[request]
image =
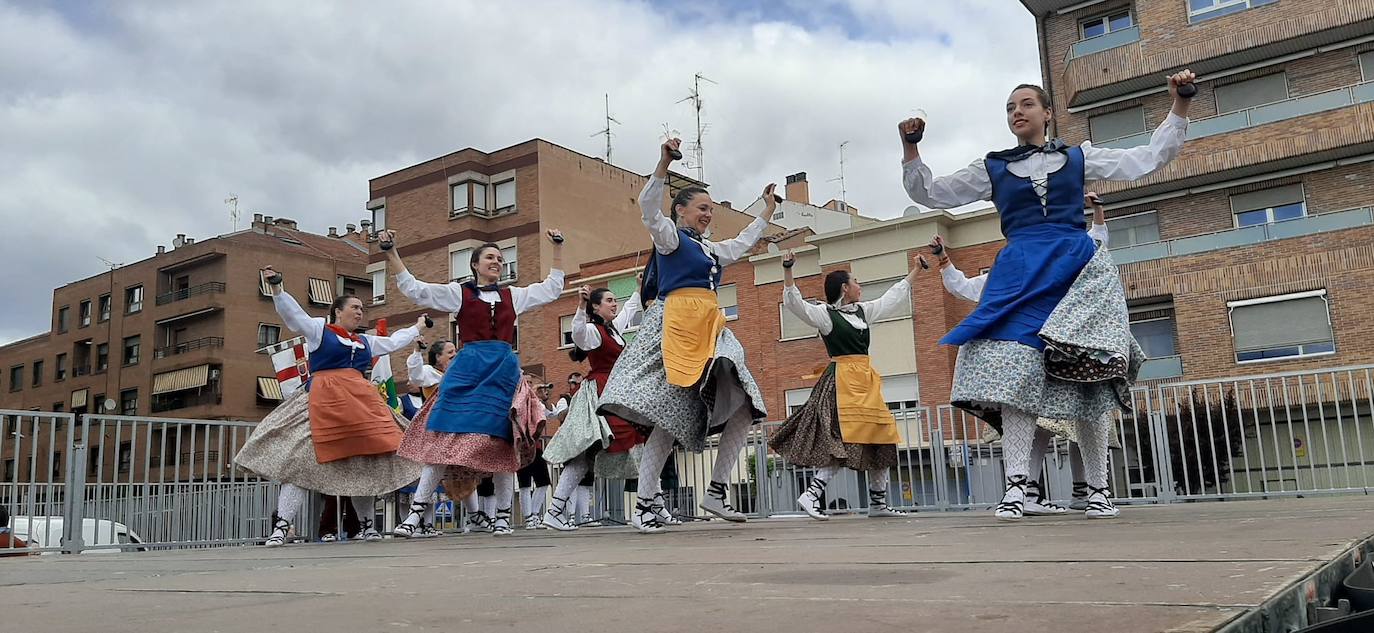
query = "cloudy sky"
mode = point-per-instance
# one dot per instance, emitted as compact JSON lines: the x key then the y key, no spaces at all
{"x":124,"y":123}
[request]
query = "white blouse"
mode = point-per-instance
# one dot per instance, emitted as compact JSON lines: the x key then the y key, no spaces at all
{"x":421,"y":374}
{"x":665,"y":235}
{"x":449,"y":296}
{"x":818,"y":315}
{"x":312,"y":328}
{"x":587,"y":337}
{"x":972,"y":184}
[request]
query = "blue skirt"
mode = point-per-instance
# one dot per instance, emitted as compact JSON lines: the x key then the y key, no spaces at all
{"x":477,"y":391}
{"x":1029,"y":278}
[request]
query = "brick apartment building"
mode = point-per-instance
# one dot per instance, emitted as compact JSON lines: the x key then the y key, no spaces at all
{"x":177,"y":334}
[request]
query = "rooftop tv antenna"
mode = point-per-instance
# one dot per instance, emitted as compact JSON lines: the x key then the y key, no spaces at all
{"x":607,"y":130}
{"x":698,"y":160}
{"x":844,"y":199}
{"x":233,"y":202}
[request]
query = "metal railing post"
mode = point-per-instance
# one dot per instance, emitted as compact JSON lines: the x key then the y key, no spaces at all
{"x":74,"y":496}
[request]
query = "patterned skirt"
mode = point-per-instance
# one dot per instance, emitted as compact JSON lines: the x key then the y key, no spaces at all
{"x":472,"y":455}
{"x":811,"y":435}
{"x":639,"y":392}
{"x":282,"y":449}
{"x":991,"y":374}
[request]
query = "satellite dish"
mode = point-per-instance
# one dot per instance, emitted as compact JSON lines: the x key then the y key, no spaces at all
{"x":772,"y":248}
{"x":109,"y":404}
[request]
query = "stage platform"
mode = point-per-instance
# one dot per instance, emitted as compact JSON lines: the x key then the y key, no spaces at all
{"x":1186,"y":567}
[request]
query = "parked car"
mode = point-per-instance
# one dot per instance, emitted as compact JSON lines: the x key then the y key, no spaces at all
{"x":46,"y":531}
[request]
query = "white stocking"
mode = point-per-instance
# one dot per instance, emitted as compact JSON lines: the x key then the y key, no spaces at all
{"x":424,"y":491}
{"x":573,"y":472}
{"x":651,"y":461}
{"x":826,"y":473}
{"x":878,"y":479}
{"x":584,"y":501}
{"x":731,"y":441}
{"x":470,"y":503}
{"x":289,"y":501}
{"x":1018,"y":433}
{"x":505,"y":490}
{"x":1092,"y":434}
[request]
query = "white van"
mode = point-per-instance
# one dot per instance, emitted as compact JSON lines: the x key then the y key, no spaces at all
{"x":47,"y":532}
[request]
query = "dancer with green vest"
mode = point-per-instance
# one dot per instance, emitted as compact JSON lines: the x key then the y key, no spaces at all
{"x":845,"y":423}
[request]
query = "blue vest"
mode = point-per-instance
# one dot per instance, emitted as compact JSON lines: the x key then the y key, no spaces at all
{"x":690,"y":266}
{"x":335,"y":354}
{"x":1019,"y":205}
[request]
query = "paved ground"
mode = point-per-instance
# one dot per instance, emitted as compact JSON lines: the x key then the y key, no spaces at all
{"x":1186,"y":567}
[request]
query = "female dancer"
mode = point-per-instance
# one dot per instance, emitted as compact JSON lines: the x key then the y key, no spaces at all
{"x":336,"y":436}
{"x":584,"y":434}
{"x":468,"y":424}
{"x":845,"y":422}
{"x":427,"y":376}
{"x":684,"y":373}
{"x":1004,"y":370}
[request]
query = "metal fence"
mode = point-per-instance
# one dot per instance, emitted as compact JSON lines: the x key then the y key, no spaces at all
{"x":107,"y":483}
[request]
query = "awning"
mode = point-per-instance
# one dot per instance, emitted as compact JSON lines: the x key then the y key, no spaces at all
{"x":79,"y":398}
{"x":321,"y":292}
{"x":181,"y":379}
{"x":269,"y":388}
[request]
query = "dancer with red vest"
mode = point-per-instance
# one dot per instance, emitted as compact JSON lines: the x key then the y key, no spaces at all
{"x":467,"y":426}
{"x":337,"y":436}
{"x":585,"y":438}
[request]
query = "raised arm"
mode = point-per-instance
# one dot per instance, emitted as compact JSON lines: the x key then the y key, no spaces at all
{"x":887,"y":304}
{"x":732,"y":250}
{"x":1105,"y":163}
{"x":968,"y":289}
{"x":399,"y":339}
{"x":585,"y":335}
{"x":447,"y":296}
{"x":816,"y":316}
{"x":969,"y":184}
{"x":629,"y":309}
{"x":661,"y":229}
{"x":295,"y":318}
{"x":547,"y":291}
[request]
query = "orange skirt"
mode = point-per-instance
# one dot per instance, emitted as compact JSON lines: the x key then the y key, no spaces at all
{"x":348,"y":417}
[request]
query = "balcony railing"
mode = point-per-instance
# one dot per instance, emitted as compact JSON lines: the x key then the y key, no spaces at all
{"x":187,"y":293}
{"x":1107,"y":41}
{"x":1245,"y":236}
{"x":1260,"y":115}
{"x":182,"y":348}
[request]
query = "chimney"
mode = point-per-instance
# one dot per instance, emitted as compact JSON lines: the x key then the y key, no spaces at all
{"x":797,"y":189}
{"x":190,"y":241}
{"x":285,"y":223}
{"x":350,"y":227}
{"x":366,"y":226}
{"x":726,"y":204}
{"x":161,"y":249}
{"x":333,"y":231}
{"x":257,"y":218}
{"x":179,"y":241}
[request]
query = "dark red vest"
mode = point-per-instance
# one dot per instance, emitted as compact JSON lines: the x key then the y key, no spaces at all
{"x":603,"y":358}
{"x":482,"y":321}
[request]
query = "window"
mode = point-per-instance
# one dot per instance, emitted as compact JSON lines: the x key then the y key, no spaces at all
{"x":875,"y":289}
{"x":268,"y":335}
{"x":1268,"y":205}
{"x":379,"y":218}
{"x":728,"y":298}
{"x":1199,"y":10}
{"x":565,"y":331}
{"x":37,"y":373}
{"x":460,"y":265}
{"x":796,"y":399}
{"x":60,"y":369}
{"x":321,"y":292}
{"x":126,"y":456}
{"x":509,"y":270}
{"x":1285,"y":326}
{"x":469,"y":197}
{"x":379,"y":286}
{"x":792,"y":327}
{"x":102,"y":357}
{"x":128,"y":402}
{"x":16,"y":378}
{"x":99,"y":403}
{"x":1153,"y":327}
{"x":1367,"y":66}
{"x":1251,"y":93}
{"x":62,"y":314}
{"x":1104,"y":24}
{"x":505,"y":195}
{"x":1130,"y":230}
{"x":1119,"y":124}
{"x":131,"y":350}
{"x":85,"y":313}
{"x":133,"y":299}
{"x":105,"y":305}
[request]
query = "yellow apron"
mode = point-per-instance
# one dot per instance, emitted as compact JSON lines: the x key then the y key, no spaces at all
{"x":864,"y":416}
{"x":692,"y":321}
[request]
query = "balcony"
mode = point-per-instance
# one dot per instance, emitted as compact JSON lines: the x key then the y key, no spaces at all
{"x":1267,"y":113}
{"x":1246,"y":236}
{"x":1108,"y":41}
{"x":189,"y":346}
{"x":1162,"y":367}
{"x":194,"y":291}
